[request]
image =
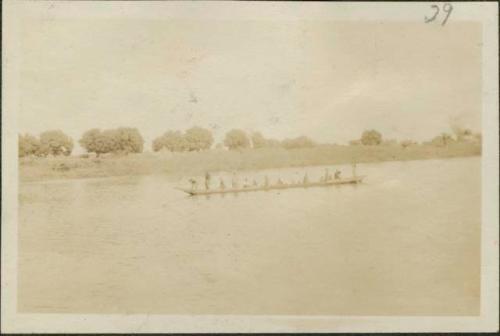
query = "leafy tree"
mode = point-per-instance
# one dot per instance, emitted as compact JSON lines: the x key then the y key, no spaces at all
{"x":91,"y":141}
{"x":125,"y":140}
{"x":28,"y":145}
{"x":442,"y":140}
{"x":461,"y":134}
{"x":198,"y":138}
{"x":174,"y":141}
{"x":236,"y":139}
{"x":299,"y":142}
{"x":157,"y":144}
{"x":258,"y":141}
{"x":128,"y":140}
{"x":371,"y":138}
{"x":464,"y":134}
{"x":55,"y":143}
{"x":99,"y":142}
{"x":108,"y":141}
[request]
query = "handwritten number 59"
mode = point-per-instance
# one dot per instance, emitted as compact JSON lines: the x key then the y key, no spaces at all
{"x":447,"y":8}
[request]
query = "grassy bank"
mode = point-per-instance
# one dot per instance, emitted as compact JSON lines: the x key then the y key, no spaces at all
{"x":194,"y":163}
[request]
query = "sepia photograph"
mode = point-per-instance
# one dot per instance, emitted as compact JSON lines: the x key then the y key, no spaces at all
{"x":249,"y":166}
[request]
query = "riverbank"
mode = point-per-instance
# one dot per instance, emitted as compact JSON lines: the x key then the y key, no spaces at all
{"x":196,"y":163}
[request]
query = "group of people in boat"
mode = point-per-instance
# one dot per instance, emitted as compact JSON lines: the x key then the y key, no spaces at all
{"x":235,"y":184}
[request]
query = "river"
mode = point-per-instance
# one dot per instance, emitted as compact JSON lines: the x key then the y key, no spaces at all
{"x":405,"y":242}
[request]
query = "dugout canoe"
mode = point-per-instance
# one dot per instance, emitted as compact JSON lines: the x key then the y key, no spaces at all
{"x":349,"y":180}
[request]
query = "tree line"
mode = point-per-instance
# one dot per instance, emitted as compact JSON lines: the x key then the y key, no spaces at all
{"x":197,"y":138}
{"x":374,"y":138}
{"x":49,"y":142}
{"x":55,"y":143}
{"x":129,"y":140}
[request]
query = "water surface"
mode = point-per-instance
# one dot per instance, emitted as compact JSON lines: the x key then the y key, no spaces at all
{"x":406,"y":242}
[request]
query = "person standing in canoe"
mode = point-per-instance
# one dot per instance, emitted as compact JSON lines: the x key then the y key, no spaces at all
{"x":207,"y":180}
{"x":327,"y":175}
{"x":354,"y":169}
{"x":222,"y":184}
{"x":306,"y":179}
{"x":194,"y":184}
{"x":337,"y":174}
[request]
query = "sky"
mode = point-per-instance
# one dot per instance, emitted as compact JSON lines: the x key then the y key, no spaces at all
{"x":329,"y":80}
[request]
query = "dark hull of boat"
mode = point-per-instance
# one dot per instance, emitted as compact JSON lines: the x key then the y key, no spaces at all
{"x":351,"y":180}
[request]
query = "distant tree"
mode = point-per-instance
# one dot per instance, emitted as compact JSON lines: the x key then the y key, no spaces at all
{"x":258,"y":141}
{"x":299,"y":142}
{"x":371,"y":138}
{"x":442,"y":140}
{"x":55,"y":143}
{"x":99,"y":142}
{"x":28,"y":145}
{"x":91,"y":141}
{"x":124,"y":140}
{"x":128,"y":140}
{"x":173,"y":141}
{"x":157,"y":144}
{"x":236,"y":139}
{"x":461,"y":134}
{"x":198,"y":138}
{"x":109,"y":141}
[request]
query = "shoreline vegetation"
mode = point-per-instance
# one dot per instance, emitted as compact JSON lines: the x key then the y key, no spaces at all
{"x":192,"y":163}
{"x":120,"y":152}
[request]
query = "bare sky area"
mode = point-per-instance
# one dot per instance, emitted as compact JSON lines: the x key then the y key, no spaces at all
{"x":329,"y":80}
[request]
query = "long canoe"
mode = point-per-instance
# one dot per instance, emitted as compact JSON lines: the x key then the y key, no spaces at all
{"x":349,"y":180}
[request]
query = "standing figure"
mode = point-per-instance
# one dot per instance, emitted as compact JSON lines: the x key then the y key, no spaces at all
{"x":354,"y":169}
{"x":327,"y":175}
{"x":266,"y":181}
{"x":194,"y":184}
{"x":337,"y":174}
{"x":207,"y":181}
{"x":222,"y":185}
{"x":306,"y":179}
